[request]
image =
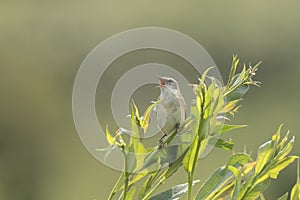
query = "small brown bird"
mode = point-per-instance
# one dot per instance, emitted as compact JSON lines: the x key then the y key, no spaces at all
{"x":171,"y":111}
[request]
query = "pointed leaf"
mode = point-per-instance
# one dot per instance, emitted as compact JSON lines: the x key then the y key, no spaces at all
{"x":257,"y":190}
{"x":190,"y":156}
{"x":205,"y":74}
{"x":287,"y":149}
{"x":109,"y":138}
{"x":295,"y":194}
{"x":239,"y":159}
{"x":238,"y":93}
{"x":284,"y":197}
{"x":130,"y":193}
{"x":265,"y":152}
{"x":280,"y":165}
{"x":226,"y":145}
{"x":228,"y":127}
{"x":146,"y":116}
{"x":276,"y":136}
{"x":238,"y":182}
{"x":217,"y":180}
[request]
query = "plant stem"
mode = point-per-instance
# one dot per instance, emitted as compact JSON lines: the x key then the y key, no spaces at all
{"x":199,"y":137}
{"x":126,"y":180}
{"x":190,"y":185}
{"x":191,"y":173}
{"x":126,"y":177}
{"x":113,"y":192}
{"x":153,"y":189}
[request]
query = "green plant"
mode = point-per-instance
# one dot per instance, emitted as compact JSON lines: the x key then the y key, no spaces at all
{"x":242,"y":177}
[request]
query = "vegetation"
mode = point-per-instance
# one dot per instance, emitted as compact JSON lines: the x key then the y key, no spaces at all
{"x":242,"y":177}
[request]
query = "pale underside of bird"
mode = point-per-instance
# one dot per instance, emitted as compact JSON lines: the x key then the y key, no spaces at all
{"x":171,"y":111}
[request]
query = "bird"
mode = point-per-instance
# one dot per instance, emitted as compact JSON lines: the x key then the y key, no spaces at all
{"x":170,"y":112}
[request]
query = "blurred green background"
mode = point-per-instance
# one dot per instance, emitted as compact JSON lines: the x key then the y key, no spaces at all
{"x":42,"y":44}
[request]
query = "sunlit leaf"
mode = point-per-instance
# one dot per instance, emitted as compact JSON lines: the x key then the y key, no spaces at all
{"x":205,"y":74}
{"x":295,"y":194}
{"x":235,"y":62}
{"x":284,"y":197}
{"x":136,"y":178}
{"x":146,"y":116}
{"x":109,"y":138}
{"x":265,"y":152}
{"x":226,"y":145}
{"x":190,"y":156}
{"x":239,"y":159}
{"x":223,"y":128}
{"x":218,"y":179}
{"x":238,"y":182}
{"x":276,"y":136}
{"x":255,"y":191}
{"x":229,"y":106}
{"x":286,"y":149}
{"x":280,"y":165}
{"x":130,"y":193}
{"x":148,"y":183}
{"x":134,"y":126}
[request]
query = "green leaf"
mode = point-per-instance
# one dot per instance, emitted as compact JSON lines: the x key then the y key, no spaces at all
{"x":109,"y":138}
{"x":205,"y":74}
{"x":235,"y":62}
{"x":173,"y":193}
{"x":276,"y":136}
{"x":238,"y":93}
{"x":140,"y":153}
{"x":265,"y":153}
{"x":238,"y":182}
{"x":273,"y":171}
{"x":280,"y":165}
{"x":284,"y":197}
{"x":284,"y":140}
{"x":147,"y":184}
{"x":146,"y":117}
{"x":217,"y":180}
{"x":130,"y":193}
{"x":139,"y":176}
{"x":175,"y":166}
{"x":134,"y":120}
{"x":286,"y":149}
{"x":239,"y":159}
{"x":226,"y":145}
{"x":229,"y":106}
{"x":190,"y":156}
{"x":227,"y":127}
{"x":262,"y":197}
{"x":247,"y":184}
{"x":258,"y":189}
{"x":295,"y":194}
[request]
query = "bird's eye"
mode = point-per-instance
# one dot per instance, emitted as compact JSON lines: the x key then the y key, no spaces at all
{"x":170,"y":81}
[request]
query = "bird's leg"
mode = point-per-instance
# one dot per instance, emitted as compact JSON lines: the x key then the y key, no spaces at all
{"x":177,"y":126}
{"x":160,"y":141}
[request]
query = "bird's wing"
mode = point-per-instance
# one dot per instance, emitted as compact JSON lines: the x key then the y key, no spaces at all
{"x":161,"y":116}
{"x":182,"y":105}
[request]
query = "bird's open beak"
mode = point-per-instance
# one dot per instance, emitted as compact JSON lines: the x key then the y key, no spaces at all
{"x":162,"y":82}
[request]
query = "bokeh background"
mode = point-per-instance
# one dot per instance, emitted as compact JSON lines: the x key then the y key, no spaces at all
{"x":42,"y":44}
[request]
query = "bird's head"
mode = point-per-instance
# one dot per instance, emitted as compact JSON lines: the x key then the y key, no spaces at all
{"x":167,"y":82}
